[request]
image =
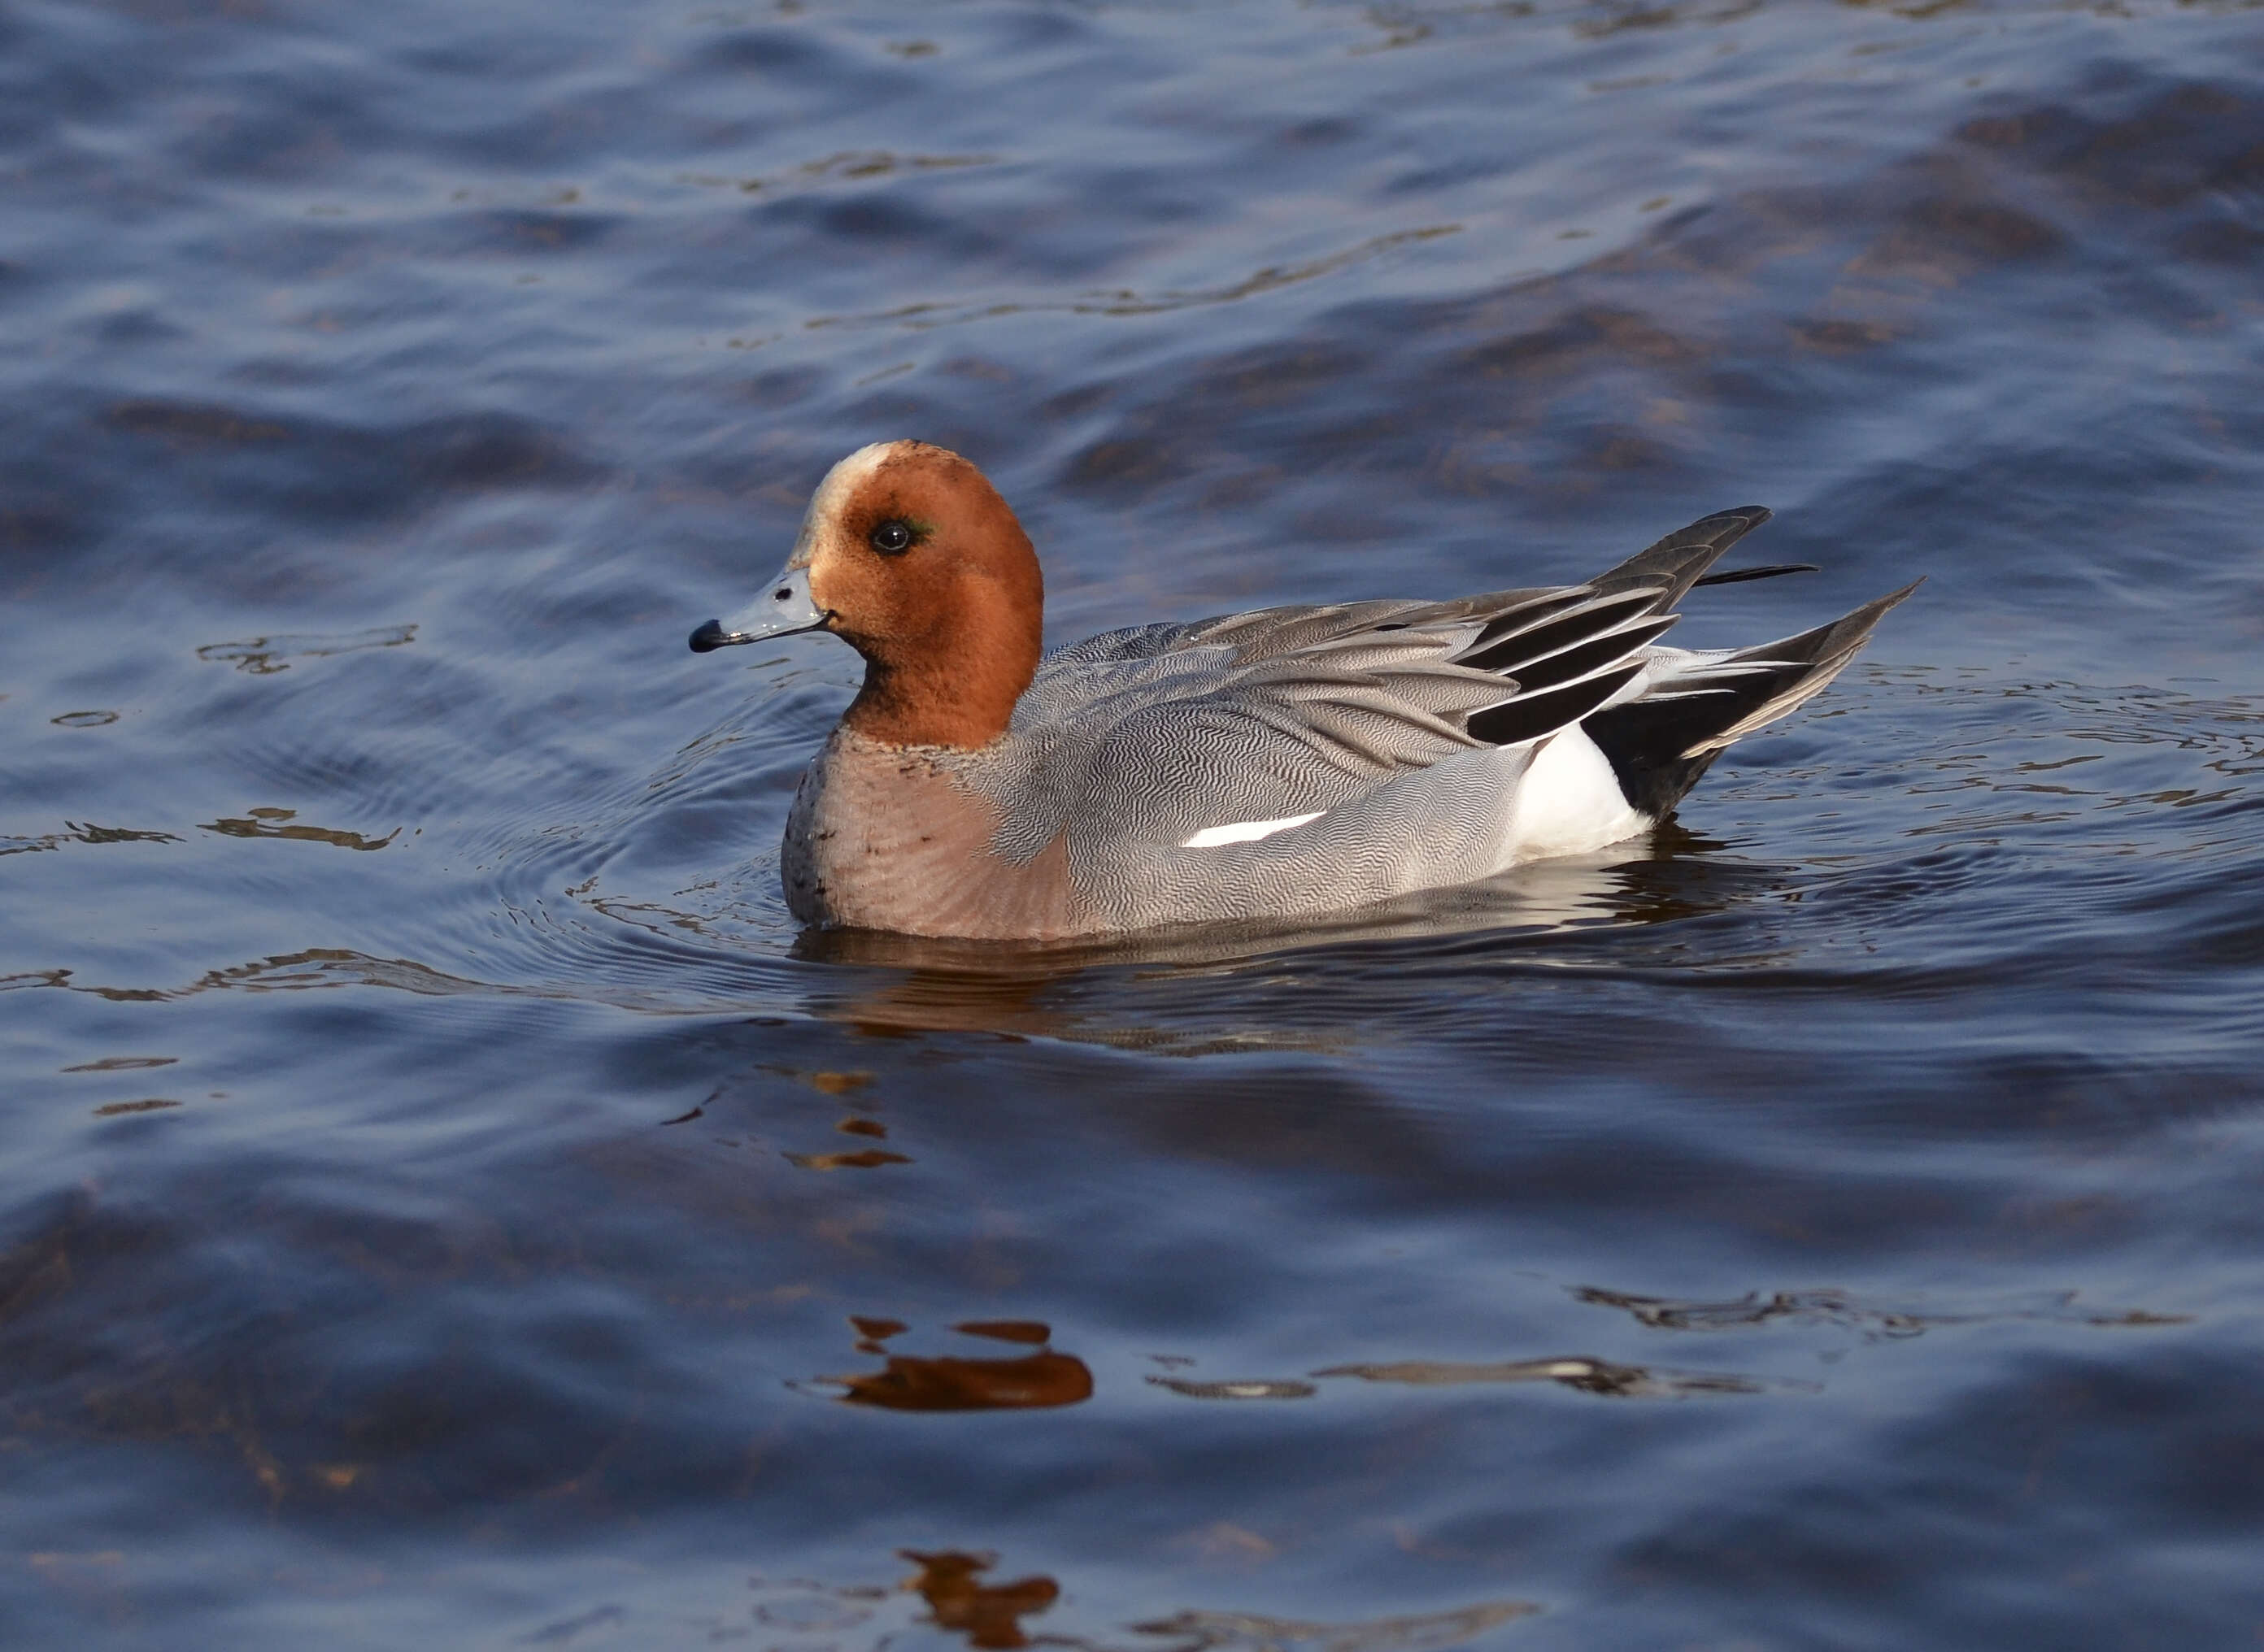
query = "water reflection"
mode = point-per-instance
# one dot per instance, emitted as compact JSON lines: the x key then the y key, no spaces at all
{"x":1034,"y":1332}
{"x":911,"y":1383}
{"x":79,"y":833}
{"x":1423,"y":1632}
{"x":151,"y":1104}
{"x":864,"y":1159}
{"x":1253,"y":1389}
{"x":854,"y":163}
{"x":896,"y":984}
{"x":1622,"y":884}
{"x":263,"y":656}
{"x":1874,"y":1321}
{"x":1586,"y":1376}
{"x":990,"y":1616}
{"x":915,"y":1382}
{"x":315,"y":968}
{"x":277,"y":822}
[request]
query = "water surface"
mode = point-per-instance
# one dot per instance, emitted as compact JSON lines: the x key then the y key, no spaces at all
{"x":447,"y":1202}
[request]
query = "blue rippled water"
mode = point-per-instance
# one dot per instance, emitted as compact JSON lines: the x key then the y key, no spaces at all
{"x":446,"y":1202}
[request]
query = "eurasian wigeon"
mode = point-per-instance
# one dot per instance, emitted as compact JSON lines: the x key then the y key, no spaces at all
{"x":1282,"y":762}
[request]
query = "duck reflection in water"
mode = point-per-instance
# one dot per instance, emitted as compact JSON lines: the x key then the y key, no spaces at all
{"x":913,"y":1382}
{"x":988,"y":1614}
{"x":888,"y":984}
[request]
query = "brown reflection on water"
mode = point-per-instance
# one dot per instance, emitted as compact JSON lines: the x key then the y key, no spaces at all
{"x":1034,"y":1333}
{"x":991,"y":1615}
{"x":988,"y":1614}
{"x":945,"y":987}
{"x":274,"y":822}
{"x":909,"y":1382}
{"x":866,"y":1159}
{"x":154,"y":1104}
{"x":871,"y":1333}
{"x":917,"y":1382}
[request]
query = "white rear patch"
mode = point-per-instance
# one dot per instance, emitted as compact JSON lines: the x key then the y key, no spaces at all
{"x":1246,"y":831}
{"x":1569,"y":802}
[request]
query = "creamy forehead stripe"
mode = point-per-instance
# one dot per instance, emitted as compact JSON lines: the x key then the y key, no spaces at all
{"x":1247,"y":831}
{"x":834,"y":493}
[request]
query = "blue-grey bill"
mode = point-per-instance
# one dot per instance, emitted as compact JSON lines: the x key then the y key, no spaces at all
{"x":786,"y":608}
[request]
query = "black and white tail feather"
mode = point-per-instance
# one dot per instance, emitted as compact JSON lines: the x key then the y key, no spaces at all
{"x":1659,"y":715}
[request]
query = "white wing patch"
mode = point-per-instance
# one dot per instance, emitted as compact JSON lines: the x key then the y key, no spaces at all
{"x":1246,"y":831}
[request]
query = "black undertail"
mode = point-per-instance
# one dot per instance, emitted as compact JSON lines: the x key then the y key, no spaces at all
{"x":1659,"y":745}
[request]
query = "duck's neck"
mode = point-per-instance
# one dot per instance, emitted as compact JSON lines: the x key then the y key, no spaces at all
{"x":963,"y":698}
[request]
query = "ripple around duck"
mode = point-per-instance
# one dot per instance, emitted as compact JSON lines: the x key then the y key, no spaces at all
{"x":1981,"y":889}
{"x":1935,"y":877}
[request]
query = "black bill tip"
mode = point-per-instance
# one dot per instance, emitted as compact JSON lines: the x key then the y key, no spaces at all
{"x":710,"y":636}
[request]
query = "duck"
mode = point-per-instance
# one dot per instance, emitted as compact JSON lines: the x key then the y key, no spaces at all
{"x":1274,"y":764}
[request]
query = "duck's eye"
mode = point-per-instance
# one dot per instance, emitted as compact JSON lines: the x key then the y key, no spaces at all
{"x":892,"y":538}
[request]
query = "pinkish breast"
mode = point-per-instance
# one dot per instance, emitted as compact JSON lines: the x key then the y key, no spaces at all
{"x":884,"y":837}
